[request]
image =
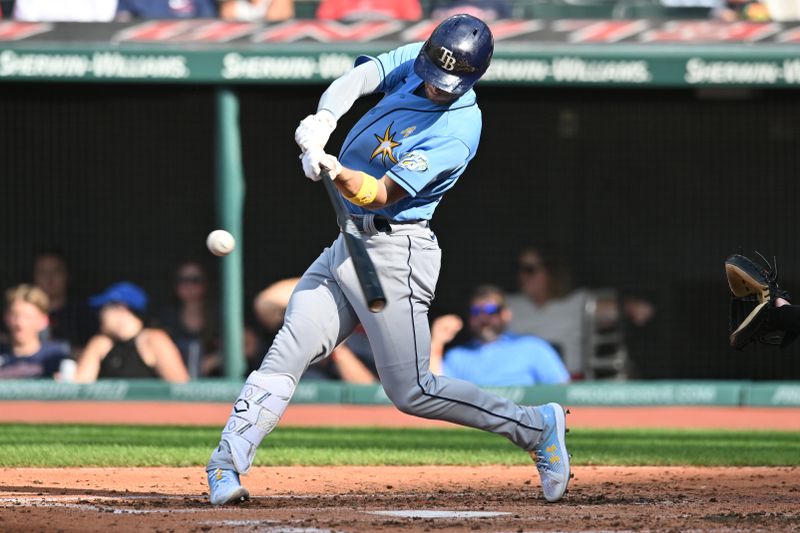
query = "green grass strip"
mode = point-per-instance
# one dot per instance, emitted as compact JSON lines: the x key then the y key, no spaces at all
{"x":85,"y":445}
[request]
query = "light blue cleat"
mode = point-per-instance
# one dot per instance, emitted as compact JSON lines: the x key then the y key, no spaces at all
{"x":550,"y":454}
{"x":224,"y":487}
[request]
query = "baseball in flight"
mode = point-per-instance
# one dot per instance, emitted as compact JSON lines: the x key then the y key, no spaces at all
{"x":220,"y":242}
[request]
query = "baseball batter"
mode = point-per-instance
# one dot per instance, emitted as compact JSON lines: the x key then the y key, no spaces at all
{"x":395,"y":166}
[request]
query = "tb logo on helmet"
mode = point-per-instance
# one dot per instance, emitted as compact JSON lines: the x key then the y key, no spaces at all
{"x":447,"y":59}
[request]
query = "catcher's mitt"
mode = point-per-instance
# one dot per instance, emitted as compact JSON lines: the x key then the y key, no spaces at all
{"x":755,"y":290}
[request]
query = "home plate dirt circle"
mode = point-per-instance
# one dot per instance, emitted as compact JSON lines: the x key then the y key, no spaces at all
{"x":435,"y":498}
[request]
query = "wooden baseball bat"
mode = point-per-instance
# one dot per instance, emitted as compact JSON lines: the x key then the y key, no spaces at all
{"x":365,"y":269}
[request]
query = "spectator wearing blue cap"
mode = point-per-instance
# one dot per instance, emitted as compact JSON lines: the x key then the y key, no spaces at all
{"x":125,"y":348}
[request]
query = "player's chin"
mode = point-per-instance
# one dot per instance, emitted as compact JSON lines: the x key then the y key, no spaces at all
{"x":445,"y":99}
{"x":438,"y":96}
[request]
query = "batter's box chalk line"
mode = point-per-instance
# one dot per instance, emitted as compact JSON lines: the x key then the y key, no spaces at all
{"x":423,"y":513}
{"x":257,"y":523}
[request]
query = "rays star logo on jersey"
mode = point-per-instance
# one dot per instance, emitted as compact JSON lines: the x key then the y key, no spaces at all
{"x":386,"y":145}
{"x":416,"y":161}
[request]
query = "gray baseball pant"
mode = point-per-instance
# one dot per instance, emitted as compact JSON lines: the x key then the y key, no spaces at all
{"x":328,"y":304}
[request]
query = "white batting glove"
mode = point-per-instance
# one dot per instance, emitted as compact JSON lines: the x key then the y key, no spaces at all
{"x":316,"y":158}
{"x":314,"y":130}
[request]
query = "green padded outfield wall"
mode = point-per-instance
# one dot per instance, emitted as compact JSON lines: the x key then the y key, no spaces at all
{"x":633,"y":393}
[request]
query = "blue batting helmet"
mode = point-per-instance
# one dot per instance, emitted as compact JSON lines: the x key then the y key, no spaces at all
{"x":456,"y":55}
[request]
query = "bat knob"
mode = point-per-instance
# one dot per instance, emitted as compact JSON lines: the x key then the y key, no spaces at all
{"x":377,"y":305}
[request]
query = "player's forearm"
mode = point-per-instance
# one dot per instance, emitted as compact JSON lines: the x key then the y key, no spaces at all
{"x":350,"y":182}
{"x":345,"y":90}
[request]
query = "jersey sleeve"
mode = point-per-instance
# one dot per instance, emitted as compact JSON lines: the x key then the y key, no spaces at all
{"x":432,"y":159}
{"x":394,"y":65}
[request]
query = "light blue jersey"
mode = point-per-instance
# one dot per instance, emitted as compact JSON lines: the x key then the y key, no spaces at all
{"x":421,"y":146}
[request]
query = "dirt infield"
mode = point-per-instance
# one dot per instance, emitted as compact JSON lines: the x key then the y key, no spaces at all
{"x":363,"y":499}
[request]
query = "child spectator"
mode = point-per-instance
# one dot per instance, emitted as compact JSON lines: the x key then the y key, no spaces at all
{"x":26,"y":356}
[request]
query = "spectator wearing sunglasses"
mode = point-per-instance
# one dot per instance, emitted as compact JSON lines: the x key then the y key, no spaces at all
{"x":493,"y":357}
{"x":547,"y":305}
{"x":191,"y":321}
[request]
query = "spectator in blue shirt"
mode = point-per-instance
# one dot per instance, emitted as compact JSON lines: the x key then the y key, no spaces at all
{"x":26,"y":355}
{"x":493,"y":357}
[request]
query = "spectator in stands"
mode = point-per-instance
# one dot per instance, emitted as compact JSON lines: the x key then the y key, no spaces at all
{"x":547,"y":305}
{"x":125,"y":348}
{"x":751,"y":10}
{"x":65,"y":10}
{"x":351,"y":361}
{"x":72,"y":322}
{"x":349,"y":10}
{"x":26,"y":355}
{"x":166,"y":9}
{"x":493,"y":357}
{"x":483,"y":9}
{"x":192,"y":321}
{"x":255,"y":10}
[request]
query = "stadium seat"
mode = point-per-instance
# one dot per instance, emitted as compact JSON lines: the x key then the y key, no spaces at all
{"x":604,"y":349}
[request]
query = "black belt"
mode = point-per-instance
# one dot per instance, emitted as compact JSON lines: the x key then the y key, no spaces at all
{"x":381,"y":223}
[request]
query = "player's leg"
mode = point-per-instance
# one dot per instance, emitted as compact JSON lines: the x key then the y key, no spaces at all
{"x":400,"y":339}
{"x":317,"y":319}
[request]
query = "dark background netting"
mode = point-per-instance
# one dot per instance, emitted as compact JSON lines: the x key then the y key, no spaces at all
{"x":644,"y":190}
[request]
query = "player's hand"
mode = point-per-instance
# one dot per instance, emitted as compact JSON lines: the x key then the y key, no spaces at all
{"x":445,"y":328}
{"x":314,"y":131}
{"x":316,"y":158}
